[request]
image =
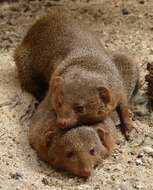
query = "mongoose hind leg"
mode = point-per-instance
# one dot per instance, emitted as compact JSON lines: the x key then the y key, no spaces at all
{"x":129,"y":71}
{"x":31,"y":85}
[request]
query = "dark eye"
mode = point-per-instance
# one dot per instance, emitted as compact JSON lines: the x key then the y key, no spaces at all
{"x":70,"y":154}
{"x":59,"y":103}
{"x":59,"y":100}
{"x":92,"y":151}
{"x":79,"y":109}
{"x":100,"y":112}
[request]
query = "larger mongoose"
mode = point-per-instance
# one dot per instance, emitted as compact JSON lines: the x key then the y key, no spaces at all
{"x":63,"y":57}
{"x":77,"y":150}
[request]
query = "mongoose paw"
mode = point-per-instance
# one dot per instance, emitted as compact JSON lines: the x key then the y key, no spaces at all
{"x":130,"y":132}
{"x":127,"y":135}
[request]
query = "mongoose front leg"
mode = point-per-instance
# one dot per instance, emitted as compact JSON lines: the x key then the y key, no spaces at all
{"x":29,"y":79}
{"x":31,"y":85}
{"x":126,"y":122}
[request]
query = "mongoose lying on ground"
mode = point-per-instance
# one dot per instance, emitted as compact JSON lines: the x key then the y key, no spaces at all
{"x":63,"y":58}
{"x":77,"y":150}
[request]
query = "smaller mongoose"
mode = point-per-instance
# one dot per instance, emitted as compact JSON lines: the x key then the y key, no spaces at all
{"x":77,"y":150}
{"x":64,"y":59}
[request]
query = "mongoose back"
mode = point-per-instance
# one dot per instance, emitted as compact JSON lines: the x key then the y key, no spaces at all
{"x":63,"y":57}
{"x":77,"y":150}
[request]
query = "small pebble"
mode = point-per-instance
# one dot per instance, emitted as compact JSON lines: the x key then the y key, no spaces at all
{"x":140,"y":155}
{"x":141,"y":2}
{"x":125,"y":11}
{"x":16,"y":175}
{"x":137,"y":186}
{"x":139,"y":162}
{"x":45,"y":181}
{"x":148,"y":150}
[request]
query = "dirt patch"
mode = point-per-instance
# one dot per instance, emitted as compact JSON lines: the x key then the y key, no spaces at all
{"x":121,"y":25}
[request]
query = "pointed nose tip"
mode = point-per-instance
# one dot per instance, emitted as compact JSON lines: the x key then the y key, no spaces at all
{"x":86,"y":172}
{"x":62,"y":126}
{"x":62,"y":123}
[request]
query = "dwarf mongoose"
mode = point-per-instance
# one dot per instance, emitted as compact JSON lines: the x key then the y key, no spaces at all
{"x":77,"y":150}
{"x":63,"y":58}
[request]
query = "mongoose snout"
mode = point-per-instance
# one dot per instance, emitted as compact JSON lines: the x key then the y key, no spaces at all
{"x":81,"y":101}
{"x":79,"y":156}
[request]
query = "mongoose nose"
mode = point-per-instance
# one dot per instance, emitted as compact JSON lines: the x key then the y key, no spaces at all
{"x":62,"y":126}
{"x":63,"y":123}
{"x":86,"y":172}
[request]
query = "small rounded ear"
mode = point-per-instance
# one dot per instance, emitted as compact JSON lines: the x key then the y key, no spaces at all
{"x":107,"y":139}
{"x":104,"y":94}
{"x":103,"y":134}
{"x":56,"y":83}
{"x":48,"y":137}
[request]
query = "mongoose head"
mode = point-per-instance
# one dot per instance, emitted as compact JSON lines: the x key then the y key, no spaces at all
{"x":79,"y":100}
{"x":78,"y":151}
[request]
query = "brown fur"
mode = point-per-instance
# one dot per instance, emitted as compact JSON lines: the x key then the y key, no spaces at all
{"x":83,"y":82}
{"x":77,"y":150}
{"x":129,"y":71}
{"x":149,"y":80}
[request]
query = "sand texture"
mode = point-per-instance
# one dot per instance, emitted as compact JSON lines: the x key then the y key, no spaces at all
{"x":122,"y":25}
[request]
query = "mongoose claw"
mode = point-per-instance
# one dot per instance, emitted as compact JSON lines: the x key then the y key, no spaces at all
{"x":130,"y":132}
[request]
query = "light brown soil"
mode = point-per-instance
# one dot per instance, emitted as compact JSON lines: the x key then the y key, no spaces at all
{"x":122,"y":25}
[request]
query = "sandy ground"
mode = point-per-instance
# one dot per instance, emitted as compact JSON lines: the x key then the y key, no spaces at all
{"x":121,"y":25}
